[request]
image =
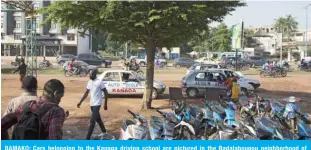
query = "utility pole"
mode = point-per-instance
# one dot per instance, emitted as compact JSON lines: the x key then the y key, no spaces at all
{"x":306,"y":40}
{"x":31,"y":26}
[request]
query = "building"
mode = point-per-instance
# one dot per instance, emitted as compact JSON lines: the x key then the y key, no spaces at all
{"x":52,"y":40}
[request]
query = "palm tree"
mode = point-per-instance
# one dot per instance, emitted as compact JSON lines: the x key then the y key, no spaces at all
{"x":286,"y":25}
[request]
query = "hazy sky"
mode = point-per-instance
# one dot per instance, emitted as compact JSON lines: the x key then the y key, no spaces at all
{"x":261,"y":13}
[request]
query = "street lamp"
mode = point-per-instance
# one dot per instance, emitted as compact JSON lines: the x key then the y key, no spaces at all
{"x":306,"y":40}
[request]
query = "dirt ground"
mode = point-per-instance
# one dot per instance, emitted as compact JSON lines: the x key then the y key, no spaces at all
{"x":75,"y":127}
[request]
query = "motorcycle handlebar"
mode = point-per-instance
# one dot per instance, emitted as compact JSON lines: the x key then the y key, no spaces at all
{"x":133,"y":114}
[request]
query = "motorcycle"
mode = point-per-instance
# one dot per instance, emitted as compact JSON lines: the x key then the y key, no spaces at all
{"x":264,"y":73}
{"x":162,"y":129}
{"x":303,"y":67}
{"x":255,"y":106}
{"x":138,"y":70}
{"x":134,"y":130}
{"x":268,"y":129}
{"x":184,"y":130}
{"x":78,"y":72}
{"x":45,"y":64}
{"x":282,"y":71}
{"x":294,"y":117}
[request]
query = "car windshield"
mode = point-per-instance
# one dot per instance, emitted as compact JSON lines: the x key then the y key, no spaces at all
{"x":238,"y":73}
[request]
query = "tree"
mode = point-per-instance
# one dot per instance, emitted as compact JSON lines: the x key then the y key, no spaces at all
{"x":222,"y":38}
{"x":150,"y":23}
{"x":286,"y":26}
{"x":248,"y":40}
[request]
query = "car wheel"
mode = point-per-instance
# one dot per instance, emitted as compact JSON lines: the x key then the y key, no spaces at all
{"x":154,"y":93}
{"x":177,"y":66}
{"x":192,"y":92}
{"x":61,"y":63}
{"x":142,"y":64}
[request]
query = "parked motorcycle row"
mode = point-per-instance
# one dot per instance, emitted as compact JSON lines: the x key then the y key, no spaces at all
{"x":259,"y":119}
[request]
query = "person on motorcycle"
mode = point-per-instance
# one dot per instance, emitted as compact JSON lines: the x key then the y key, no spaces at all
{"x":72,"y":66}
{"x":133,"y":65}
{"x":292,"y":100}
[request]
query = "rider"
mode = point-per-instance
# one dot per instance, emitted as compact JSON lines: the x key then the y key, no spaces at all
{"x":133,"y":65}
{"x":291,"y":109}
{"x":71,"y":66}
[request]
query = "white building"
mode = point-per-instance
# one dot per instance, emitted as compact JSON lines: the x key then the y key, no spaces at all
{"x":53,"y":39}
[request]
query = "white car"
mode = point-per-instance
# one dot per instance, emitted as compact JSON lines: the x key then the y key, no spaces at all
{"x":143,"y":61}
{"x":253,"y":82}
{"x":202,"y":67}
{"x":205,"y":60}
{"x":123,"y":82}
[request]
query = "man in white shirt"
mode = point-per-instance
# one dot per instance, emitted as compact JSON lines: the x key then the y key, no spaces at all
{"x":96,"y":87}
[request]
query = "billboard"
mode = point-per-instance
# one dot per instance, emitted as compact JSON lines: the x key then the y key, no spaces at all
{"x":237,"y":36}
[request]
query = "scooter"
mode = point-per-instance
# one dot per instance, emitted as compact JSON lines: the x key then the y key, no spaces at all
{"x":45,"y":64}
{"x":134,"y":130}
{"x":253,"y":106}
{"x":163,"y":129}
{"x":293,"y":116}
{"x":184,"y":130}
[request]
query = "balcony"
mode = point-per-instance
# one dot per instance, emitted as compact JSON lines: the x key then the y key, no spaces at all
{"x":71,"y":31}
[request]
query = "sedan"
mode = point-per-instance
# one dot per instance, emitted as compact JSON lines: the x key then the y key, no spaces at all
{"x":122,"y":82}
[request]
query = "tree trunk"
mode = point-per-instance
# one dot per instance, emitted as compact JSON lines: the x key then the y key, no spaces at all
{"x":147,"y":99}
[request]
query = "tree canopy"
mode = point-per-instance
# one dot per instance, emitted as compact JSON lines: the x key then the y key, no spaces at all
{"x":286,"y":25}
{"x":149,"y":23}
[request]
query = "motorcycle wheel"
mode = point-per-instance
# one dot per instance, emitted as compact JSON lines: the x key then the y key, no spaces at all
{"x":68,"y":73}
{"x":284,"y":73}
{"x":263,"y":74}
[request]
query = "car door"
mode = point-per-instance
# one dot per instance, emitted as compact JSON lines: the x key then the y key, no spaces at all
{"x":217,"y":85}
{"x":112,"y":82}
{"x":95,"y":60}
{"x":201,"y":83}
{"x":130,"y":84}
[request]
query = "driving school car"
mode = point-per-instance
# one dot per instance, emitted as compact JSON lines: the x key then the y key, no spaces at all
{"x":123,"y":82}
{"x":205,"y":82}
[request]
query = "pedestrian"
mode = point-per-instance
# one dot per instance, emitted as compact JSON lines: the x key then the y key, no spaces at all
{"x":22,"y":71}
{"x":40,"y":119}
{"x":29,"y":86}
{"x":235,"y":89}
{"x":96,"y":87}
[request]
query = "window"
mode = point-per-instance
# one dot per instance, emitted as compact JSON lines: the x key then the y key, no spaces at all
{"x":2,"y":36}
{"x":1,"y":25}
{"x":18,"y":25}
{"x":126,"y":77}
{"x":200,"y":76}
{"x":272,"y":45}
{"x":17,"y":37}
{"x":112,"y":76}
{"x":70,"y":37}
{"x":36,"y":7}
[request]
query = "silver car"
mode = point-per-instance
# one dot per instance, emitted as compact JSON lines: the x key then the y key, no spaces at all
{"x":123,"y":82}
{"x":208,"y":82}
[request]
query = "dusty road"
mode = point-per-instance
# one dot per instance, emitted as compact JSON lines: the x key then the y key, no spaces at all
{"x":76,"y":126}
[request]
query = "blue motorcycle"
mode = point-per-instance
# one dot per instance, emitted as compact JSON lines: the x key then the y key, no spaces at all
{"x":295,"y":119}
{"x":184,"y":130}
{"x":163,"y":129}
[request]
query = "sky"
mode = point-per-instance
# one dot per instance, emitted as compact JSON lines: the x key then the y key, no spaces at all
{"x":264,"y":13}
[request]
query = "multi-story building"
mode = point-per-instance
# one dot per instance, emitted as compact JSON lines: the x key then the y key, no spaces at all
{"x":51,"y":38}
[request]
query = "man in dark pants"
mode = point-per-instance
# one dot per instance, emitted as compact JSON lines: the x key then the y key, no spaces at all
{"x":96,"y":87}
{"x":22,"y":71}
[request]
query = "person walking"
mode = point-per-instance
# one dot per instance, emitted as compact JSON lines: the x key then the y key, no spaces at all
{"x":46,"y":109}
{"x":22,"y":68}
{"x":96,"y":87}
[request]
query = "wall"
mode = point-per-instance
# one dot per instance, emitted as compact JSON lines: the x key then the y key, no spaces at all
{"x":83,"y":44}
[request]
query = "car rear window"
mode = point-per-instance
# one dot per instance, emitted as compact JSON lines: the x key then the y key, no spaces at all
{"x":200,"y":76}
